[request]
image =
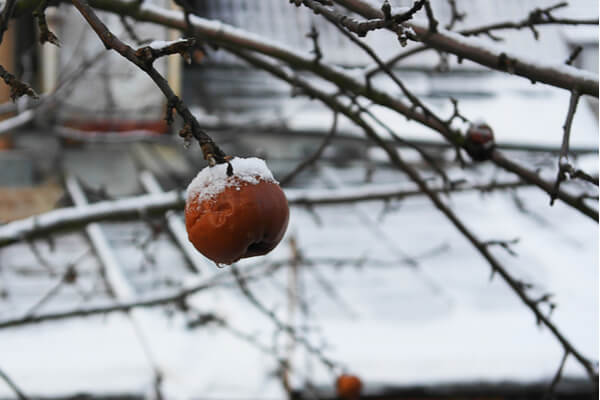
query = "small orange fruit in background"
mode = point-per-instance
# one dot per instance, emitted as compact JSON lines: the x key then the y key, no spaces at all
{"x":348,"y":387}
{"x":233,"y":217}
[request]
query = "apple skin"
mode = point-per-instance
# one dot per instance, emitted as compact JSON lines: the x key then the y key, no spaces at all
{"x":244,"y":220}
{"x":348,"y":387}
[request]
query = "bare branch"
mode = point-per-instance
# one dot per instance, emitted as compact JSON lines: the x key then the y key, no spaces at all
{"x":495,"y":265}
{"x":242,"y":284}
{"x":533,"y":178}
{"x":13,"y":385}
{"x":563,"y":159}
{"x":149,"y":53}
{"x":212,"y":153}
{"x":433,"y":23}
{"x":536,"y":17}
{"x":175,"y":298}
{"x":428,"y":116}
{"x":17,"y":87}
{"x":361,"y":28}
{"x":46,"y":35}
{"x":131,"y":32}
{"x":574,"y":55}
{"x":552,"y":388}
{"x":455,"y":15}
{"x":505,"y":244}
{"x":314,"y":36}
{"x":488,"y":31}
{"x":224,"y":35}
{"x":156,"y":204}
{"x":564,"y":151}
{"x":314,"y":157}
{"x":456,"y":44}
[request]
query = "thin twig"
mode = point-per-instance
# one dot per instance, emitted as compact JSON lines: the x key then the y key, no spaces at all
{"x":552,"y":388}
{"x":574,"y":55}
{"x":178,"y":298}
{"x":212,"y":153}
{"x":394,"y":157}
{"x":314,"y":36}
{"x":149,"y":53}
{"x":535,"y":17}
{"x":564,"y":150}
{"x":491,"y":58}
{"x":563,"y":158}
{"x":280,"y":325}
{"x":13,"y":385}
{"x":46,"y":35}
{"x":314,"y":157}
{"x":455,"y":15}
{"x":433,"y":23}
{"x":17,"y":87}
{"x":131,"y":32}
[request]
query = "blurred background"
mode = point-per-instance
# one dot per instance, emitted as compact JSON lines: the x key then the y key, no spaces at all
{"x":384,"y":289}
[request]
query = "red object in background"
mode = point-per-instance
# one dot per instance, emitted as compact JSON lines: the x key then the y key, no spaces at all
{"x":348,"y":387}
{"x":91,"y":129}
{"x":159,"y":126}
{"x":6,"y":142}
{"x":244,"y":220}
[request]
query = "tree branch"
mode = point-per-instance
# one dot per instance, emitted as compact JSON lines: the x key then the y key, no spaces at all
{"x":136,"y":207}
{"x":17,"y":87}
{"x":13,"y":386}
{"x":496,"y":266}
{"x":224,"y":35}
{"x":46,"y":35}
{"x":176,"y":298}
{"x":314,"y":157}
{"x":212,"y":153}
{"x":465,"y":48}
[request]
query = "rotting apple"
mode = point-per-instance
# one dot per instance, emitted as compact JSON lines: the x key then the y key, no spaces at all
{"x":233,"y":217}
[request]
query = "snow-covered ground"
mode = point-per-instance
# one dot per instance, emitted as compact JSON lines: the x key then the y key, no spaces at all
{"x":392,"y":323}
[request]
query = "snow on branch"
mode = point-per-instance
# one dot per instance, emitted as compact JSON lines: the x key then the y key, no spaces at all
{"x":19,"y":120}
{"x":161,"y":48}
{"x":531,"y":21}
{"x":482,"y":52}
{"x":155,"y":204}
{"x":178,"y":297}
{"x":65,"y":218}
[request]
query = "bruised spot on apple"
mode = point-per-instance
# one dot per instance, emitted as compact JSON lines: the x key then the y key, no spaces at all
{"x":243,"y":220}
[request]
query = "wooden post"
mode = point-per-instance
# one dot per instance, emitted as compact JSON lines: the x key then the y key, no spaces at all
{"x":49,"y":55}
{"x":174,"y":75}
{"x":7,"y":60}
